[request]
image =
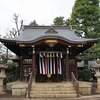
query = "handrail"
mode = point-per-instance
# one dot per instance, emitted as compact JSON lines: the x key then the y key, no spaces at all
{"x":29,"y":85}
{"x":75,"y":83}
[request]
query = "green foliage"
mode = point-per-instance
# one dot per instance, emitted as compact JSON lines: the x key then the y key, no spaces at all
{"x":59,"y":21}
{"x":91,"y":53}
{"x":86,"y":17}
{"x":33,"y":23}
{"x":94,"y":51}
{"x":11,"y":72}
{"x":84,"y":75}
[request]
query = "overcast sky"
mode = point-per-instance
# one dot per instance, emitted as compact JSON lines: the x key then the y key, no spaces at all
{"x":43,"y":11}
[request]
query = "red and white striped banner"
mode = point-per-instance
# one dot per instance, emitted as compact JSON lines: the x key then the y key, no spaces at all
{"x":50,"y":63}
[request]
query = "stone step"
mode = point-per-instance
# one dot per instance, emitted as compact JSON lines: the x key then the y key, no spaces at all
{"x":52,"y":85}
{"x":53,"y":92}
{"x":54,"y":95}
{"x":52,"y":89}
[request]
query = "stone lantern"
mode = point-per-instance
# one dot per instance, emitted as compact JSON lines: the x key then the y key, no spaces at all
{"x":2,"y":75}
{"x":97,"y":75}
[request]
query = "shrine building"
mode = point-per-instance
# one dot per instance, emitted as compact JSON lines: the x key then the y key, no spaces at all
{"x":49,"y":53}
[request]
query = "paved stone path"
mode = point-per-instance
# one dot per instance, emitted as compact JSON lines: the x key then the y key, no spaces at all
{"x":92,"y":97}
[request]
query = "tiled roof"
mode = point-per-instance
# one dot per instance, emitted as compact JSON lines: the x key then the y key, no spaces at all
{"x":35,"y":33}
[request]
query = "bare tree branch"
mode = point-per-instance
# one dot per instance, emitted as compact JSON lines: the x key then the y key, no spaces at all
{"x":14,"y":32}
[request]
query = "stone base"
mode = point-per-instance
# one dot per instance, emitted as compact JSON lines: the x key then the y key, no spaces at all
{"x":1,"y":92}
{"x":98,"y":91}
{"x":9,"y":85}
{"x":19,"y":89}
{"x":1,"y":86}
{"x":85,"y":88}
{"x":98,"y":87}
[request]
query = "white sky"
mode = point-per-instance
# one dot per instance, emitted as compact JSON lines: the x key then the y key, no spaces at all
{"x":43,"y":11}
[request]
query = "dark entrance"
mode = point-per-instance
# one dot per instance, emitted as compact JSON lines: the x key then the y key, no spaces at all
{"x":50,"y":66}
{"x":50,"y":63}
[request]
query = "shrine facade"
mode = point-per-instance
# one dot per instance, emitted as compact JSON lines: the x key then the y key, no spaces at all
{"x":50,"y":53}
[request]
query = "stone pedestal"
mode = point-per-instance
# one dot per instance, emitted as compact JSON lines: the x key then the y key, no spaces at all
{"x":98,"y":82}
{"x":2,"y":76}
{"x":1,"y":86}
{"x":97,"y":75}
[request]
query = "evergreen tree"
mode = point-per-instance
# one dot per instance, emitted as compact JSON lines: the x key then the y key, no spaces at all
{"x":33,"y":23}
{"x":60,"y":21}
{"x":86,"y":17}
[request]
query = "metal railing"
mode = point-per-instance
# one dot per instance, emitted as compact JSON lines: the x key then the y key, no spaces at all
{"x":29,"y":85}
{"x":75,"y":83}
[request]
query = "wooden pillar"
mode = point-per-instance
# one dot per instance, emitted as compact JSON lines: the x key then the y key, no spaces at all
{"x":33,"y":65}
{"x":67,"y":68}
{"x":76,"y":68}
{"x":20,"y":69}
{"x":21,"y":64}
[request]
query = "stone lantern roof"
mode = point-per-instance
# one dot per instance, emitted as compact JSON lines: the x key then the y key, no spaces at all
{"x":2,"y":66}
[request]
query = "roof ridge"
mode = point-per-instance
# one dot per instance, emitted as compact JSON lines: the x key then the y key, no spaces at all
{"x":28,"y":27}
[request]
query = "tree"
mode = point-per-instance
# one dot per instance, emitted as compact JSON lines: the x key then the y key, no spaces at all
{"x":86,"y":17}
{"x":92,"y":53}
{"x":33,"y":23}
{"x":59,"y":21}
{"x":14,"y":32}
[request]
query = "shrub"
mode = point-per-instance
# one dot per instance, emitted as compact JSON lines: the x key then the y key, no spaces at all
{"x":85,"y":74}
